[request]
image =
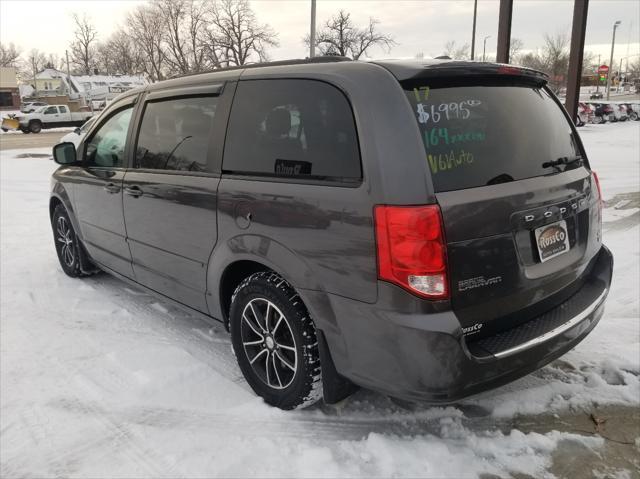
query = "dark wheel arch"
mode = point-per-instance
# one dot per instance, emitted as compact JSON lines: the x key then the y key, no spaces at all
{"x":232,"y":276}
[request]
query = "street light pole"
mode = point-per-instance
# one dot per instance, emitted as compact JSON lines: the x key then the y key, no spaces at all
{"x":473,"y":32}
{"x":484,"y":47}
{"x":312,"y":36}
{"x":598,"y":79}
{"x":613,"y":42}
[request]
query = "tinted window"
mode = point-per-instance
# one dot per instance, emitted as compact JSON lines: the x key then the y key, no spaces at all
{"x":63,"y":109}
{"x":483,"y":135}
{"x":292,"y":128}
{"x":51,"y":110}
{"x":106,"y":147}
{"x":175,"y":134}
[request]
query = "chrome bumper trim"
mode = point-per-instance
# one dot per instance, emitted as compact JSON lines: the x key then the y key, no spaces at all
{"x":556,"y":331}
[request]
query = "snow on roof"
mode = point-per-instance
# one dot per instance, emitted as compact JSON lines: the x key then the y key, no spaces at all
{"x":25,"y":90}
{"x":49,"y":73}
{"x":83,"y":83}
{"x":89,"y":82}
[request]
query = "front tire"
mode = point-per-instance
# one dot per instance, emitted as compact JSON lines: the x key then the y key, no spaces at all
{"x":35,"y":127}
{"x":71,"y":253}
{"x":274,"y":341}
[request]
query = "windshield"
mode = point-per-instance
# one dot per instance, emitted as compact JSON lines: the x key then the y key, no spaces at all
{"x":483,"y":135}
{"x":40,"y":110}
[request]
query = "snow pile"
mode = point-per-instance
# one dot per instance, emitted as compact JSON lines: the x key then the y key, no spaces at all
{"x":98,"y":379}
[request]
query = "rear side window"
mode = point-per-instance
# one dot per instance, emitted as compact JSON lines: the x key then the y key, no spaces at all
{"x":483,"y":135}
{"x":292,"y":128}
{"x":174,"y":134}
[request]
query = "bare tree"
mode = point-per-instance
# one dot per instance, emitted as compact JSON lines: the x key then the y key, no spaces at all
{"x":552,"y":59}
{"x":119,"y":55}
{"x":184,"y":31}
{"x":452,"y":50}
{"x":9,"y":55}
{"x":515,"y":45}
{"x":589,"y":63}
{"x":340,"y":36}
{"x":145,"y":26}
{"x":84,"y":44}
{"x":236,"y":36}
{"x":35,"y":62}
{"x":634,"y":69}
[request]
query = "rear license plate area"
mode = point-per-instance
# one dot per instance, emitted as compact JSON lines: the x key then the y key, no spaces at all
{"x":552,"y":240}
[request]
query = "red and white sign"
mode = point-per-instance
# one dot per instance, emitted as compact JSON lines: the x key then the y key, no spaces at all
{"x":603,"y":69}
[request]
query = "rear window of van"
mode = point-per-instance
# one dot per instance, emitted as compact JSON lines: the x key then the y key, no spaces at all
{"x":487,"y":134}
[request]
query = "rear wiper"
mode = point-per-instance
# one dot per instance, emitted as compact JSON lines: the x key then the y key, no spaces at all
{"x":563,"y":160}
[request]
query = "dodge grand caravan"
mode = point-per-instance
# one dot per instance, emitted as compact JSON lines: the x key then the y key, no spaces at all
{"x":391,"y":225}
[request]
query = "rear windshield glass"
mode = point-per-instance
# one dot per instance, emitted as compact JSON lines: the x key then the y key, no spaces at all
{"x":483,"y":135}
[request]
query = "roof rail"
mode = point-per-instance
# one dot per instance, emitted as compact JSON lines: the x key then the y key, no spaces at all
{"x":296,"y":61}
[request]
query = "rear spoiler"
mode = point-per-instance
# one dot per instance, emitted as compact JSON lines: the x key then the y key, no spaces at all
{"x":464,"y":70}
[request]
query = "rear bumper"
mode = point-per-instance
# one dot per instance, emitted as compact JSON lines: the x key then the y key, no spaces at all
{"x":419,"y":356}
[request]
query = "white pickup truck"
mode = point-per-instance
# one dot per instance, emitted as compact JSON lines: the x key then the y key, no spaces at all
{"x":50,"y":116}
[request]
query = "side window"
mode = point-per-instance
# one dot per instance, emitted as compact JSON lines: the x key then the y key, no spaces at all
{"x":51,"y":110}
{"x":174,"y":134}
{"x":292,"y":128}
{"x":63,"y":109}
{"x":106,"y":147}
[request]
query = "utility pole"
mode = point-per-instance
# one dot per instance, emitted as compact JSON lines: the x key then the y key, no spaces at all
{"x":598,"y":80}
{"x":620,"y":74}
{"x":613,"y":43}
{"x":473,"y":34}
{"x":484,"y":47}
{"x":35,"y":72}
{"x":66,"y":52}
{"x":312,"y":36}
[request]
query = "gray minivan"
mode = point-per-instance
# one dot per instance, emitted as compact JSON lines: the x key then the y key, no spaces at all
{"x":395,"y":225}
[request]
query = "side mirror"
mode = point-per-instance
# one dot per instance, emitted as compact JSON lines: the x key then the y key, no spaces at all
{"x":65,"y":153}
{"x":77,"y":131}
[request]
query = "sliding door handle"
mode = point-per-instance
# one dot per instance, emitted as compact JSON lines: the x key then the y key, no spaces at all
{"x":112,"y":188}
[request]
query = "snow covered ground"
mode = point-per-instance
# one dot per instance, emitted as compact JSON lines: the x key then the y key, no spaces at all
{"x":100,"y":380}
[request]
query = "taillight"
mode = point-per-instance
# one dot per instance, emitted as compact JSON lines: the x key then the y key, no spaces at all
{"x":411,"y":249}
{"x":600,"y":206}
{"x":597,"y":181}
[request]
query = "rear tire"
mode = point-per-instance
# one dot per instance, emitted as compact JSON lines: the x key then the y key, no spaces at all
{"x":70,"y":251}
{"x":634,"y":116}
{"x":275,"y":342}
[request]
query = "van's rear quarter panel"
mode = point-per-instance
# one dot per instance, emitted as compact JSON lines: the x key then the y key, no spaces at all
{"x":328,"y":229}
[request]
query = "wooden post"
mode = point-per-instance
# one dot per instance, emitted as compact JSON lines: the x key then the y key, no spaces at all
{"x":504,"y":31}
{"x":578,"y":30}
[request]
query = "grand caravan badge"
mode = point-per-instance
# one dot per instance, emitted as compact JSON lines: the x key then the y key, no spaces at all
{"x":552,"y":240}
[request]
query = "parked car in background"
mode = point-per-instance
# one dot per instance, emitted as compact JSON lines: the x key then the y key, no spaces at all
{"x":51,"y":116}
{"x":30,"y":106}
{"x":602,"y":113}
{"x":621,"y":109}
{"x":596,"y":95}
{"x":76,"y":135}
{"x":633,"y":111}
{"x":381,"y":224}
{"x":585,"y":114}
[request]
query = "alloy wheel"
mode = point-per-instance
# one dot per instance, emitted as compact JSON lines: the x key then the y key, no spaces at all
{"x":65,"y":237}
{"x":269,"y":343}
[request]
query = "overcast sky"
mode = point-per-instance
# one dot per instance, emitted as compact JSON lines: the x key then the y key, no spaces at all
{"x":417,"y":25}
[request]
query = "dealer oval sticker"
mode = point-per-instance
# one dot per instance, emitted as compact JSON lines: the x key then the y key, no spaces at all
{"x":552,"y":240}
